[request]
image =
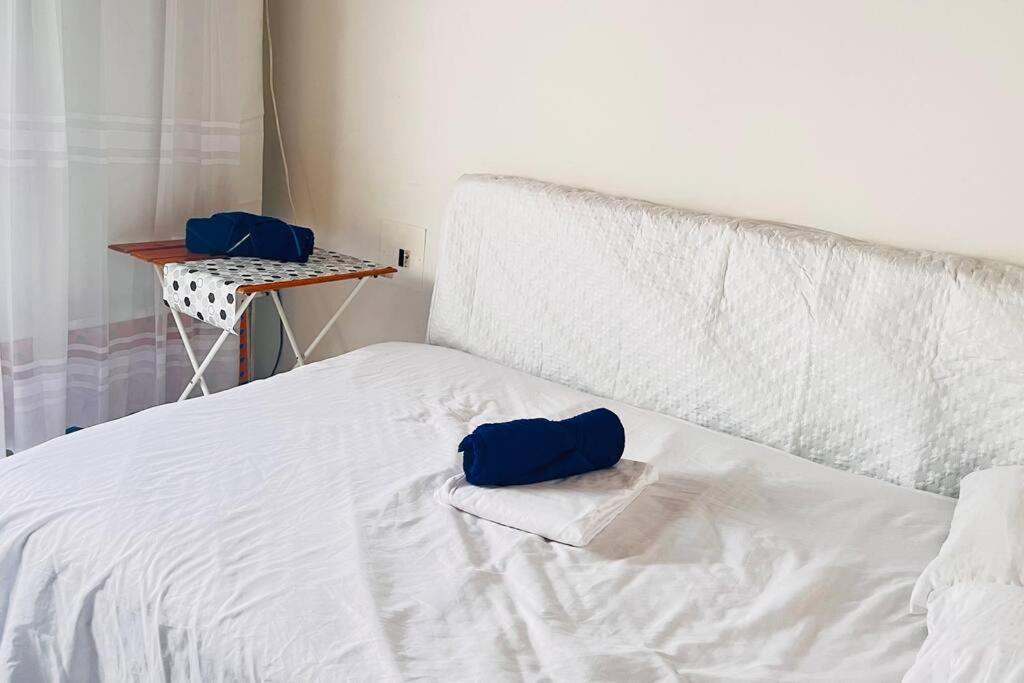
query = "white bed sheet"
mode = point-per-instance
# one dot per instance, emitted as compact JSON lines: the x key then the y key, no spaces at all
{"x":287,"y":531}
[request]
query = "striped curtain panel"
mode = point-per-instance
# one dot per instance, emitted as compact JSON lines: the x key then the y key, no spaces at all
{"x":119,"y":119}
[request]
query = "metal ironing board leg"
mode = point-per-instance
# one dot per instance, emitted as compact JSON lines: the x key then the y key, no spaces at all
{"x":181,"y":332}
{"x":198,"y":377}
{"x":334,"y":318}
{"x":299,"y":358}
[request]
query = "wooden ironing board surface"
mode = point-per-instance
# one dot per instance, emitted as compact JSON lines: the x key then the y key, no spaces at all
{"x":162,"y":252}
{"x":159,"y":252}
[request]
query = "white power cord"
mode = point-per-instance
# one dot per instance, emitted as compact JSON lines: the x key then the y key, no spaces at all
{"x":284,"y":159}
{"x":273,"y":102}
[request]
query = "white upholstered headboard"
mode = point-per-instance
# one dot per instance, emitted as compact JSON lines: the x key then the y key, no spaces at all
{"x":902,"y":365}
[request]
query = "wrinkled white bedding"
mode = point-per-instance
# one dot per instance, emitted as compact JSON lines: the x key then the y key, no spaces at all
{"x":973,"y":590}
{"x":287,"y":531}
{"x":975,"y":635}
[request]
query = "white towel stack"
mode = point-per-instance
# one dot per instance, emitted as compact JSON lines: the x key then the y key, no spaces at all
{"x":571,"y":510}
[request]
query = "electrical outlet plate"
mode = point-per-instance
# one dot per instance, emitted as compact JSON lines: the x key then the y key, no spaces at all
{"x":413,"y":239}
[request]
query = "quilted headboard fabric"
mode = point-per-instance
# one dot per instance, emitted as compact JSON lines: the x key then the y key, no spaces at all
{"x":903,"y":365}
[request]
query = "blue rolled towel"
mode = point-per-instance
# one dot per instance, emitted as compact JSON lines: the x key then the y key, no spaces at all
{"x":237,"y":233}
{"x":535,"y":450}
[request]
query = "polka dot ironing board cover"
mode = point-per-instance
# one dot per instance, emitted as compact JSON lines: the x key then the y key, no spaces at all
{"x":208,"y":290}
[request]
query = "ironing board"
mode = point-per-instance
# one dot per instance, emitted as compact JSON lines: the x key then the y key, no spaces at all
{"x":218,"y":290}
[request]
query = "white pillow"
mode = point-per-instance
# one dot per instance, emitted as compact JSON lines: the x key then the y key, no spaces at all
{"x":986,"y":538}
{"x":975,"y":635}
{"x":974,"y":588}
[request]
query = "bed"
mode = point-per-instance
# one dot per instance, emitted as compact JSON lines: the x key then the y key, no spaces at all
{"x":287,"y":530}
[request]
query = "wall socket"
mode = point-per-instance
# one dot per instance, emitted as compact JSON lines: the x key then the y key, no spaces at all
{"x":403,"y":246}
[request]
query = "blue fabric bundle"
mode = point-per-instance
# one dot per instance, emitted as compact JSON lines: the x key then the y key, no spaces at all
{"x":535,"y":450}
{"x":237,"y":233}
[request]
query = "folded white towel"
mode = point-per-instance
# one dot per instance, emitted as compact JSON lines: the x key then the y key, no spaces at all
{"x":571,"y":510}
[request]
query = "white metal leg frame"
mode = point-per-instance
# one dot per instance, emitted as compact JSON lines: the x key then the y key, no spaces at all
{"x":301,"y":356}
{"x":200,"y":368}
{"x":244,"y":301}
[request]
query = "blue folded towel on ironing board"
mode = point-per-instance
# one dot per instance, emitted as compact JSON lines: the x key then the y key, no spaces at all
{"x":535,"y":450}
{"x":237,"y":233}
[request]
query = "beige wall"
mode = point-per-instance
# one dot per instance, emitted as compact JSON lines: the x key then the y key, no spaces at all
{"x":890,"y":120}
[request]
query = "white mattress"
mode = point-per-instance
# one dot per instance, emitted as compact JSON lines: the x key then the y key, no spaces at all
{"x":287,"y":531}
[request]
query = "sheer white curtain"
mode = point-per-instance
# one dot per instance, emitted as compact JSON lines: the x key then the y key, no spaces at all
{"x":119,"y":119}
